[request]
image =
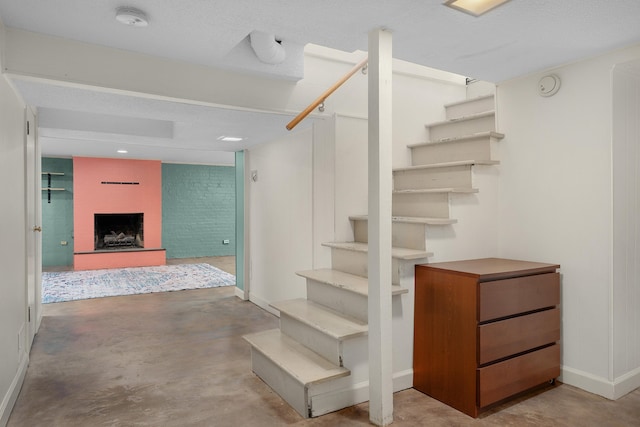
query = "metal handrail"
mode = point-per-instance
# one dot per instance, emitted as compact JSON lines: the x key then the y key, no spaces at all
{"x":326,"y":94}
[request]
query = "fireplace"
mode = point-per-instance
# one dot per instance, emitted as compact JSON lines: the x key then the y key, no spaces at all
{"x":117,"y":213}
{"x":118,"y":231}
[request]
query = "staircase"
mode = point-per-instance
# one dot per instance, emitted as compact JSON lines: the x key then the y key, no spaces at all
{"x":317,"y":361}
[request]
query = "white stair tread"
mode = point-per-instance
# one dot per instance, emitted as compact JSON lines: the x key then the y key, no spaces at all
{"x":478,"y":135}
{"x":468,"y":101}
{"x":411,"y":220}
{"x":399,"y":253}
{"x":448,"y":164}
{"x":346,"y":281}
{"x":463,"y":118}
{"x":437,"y":190}
{"x":321,"y":318}
{"x":306,"y":366}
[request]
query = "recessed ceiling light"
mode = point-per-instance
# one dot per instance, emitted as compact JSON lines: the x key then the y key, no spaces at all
{"x":122,"y":151}
{"x":230,"y":138}
{"x":474,"y":7}
{"x":131,"y":16}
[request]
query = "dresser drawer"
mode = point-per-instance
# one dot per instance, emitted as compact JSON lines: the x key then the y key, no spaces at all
{"x":505,"y":338}
{"x":502,"y":298}
{"x":504,"y":379}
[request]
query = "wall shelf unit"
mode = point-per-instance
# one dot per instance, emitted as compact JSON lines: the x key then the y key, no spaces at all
{"x":49,"y":188}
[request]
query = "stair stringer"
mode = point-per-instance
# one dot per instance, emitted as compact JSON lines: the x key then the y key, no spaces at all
{"x":348,"y":391}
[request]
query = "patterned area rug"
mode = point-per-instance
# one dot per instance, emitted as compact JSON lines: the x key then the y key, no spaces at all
{"x":75,"y":285}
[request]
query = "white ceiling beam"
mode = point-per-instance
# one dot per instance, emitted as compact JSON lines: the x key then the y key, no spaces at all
{"x":38,"y":56}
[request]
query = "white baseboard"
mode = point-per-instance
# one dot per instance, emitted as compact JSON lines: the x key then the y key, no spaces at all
{"x":402,"y":380}
{"x":38,"y":322}
{"x":263,"y":304}
{"x":601,"y":386}
{"x":626,"y":383}
{"x":14,"y":389}
{"x":240,"y":293}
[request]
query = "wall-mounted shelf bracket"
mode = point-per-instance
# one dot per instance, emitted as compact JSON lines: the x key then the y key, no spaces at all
{"x":49,"y":189}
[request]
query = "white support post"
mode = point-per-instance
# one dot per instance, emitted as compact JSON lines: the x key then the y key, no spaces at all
{"x":380,"y":187}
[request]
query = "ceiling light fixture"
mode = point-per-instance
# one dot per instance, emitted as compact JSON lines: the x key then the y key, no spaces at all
{"x":230,"y":138}
{"x":474,"y":7}
{"x":131,"y":16}
{"x":122,"y":151}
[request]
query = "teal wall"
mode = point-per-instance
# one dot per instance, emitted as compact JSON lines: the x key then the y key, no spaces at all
{"x":57,"y":216}
{"x":240,"y":219}
{"x":198,"y":210}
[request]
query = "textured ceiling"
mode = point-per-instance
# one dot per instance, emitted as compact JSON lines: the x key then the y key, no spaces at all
{"x":518,"y":38}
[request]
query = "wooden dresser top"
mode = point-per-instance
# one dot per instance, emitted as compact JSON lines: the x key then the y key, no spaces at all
{"x":494,"y":268}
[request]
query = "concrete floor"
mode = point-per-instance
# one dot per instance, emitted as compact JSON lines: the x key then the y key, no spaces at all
{"x":178,"y":359}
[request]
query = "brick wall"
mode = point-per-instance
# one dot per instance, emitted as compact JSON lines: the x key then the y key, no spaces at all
{"x":198,"y":210}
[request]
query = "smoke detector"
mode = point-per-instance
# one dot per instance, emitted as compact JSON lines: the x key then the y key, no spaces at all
{"x":131,"y":16}
{"x":548,"y":85}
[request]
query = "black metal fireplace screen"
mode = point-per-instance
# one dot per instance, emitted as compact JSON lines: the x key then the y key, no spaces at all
{"x":117,"y":231}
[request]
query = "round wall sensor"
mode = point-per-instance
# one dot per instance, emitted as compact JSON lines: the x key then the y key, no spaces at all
{"x":131,"y":16}
{"x":549,"y":85}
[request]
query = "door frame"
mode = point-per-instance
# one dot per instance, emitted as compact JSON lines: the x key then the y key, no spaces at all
{"x":33,"y":209}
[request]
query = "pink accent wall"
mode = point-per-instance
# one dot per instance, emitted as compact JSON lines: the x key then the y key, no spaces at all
{"x":91,"y":196}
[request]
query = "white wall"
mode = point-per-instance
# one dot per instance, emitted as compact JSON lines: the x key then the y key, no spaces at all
{"x":351,"y":192}
{"x":556,"y":202}
{"x":475,"y":233}
{"x":13,"y":357}
{"x":626,"y":220}
{"x":281,"y":225}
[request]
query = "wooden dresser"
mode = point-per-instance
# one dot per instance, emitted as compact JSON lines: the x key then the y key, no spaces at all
{"x":485,"y":330}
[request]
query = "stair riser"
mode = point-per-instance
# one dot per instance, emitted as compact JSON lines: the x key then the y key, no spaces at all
{"x":315,"y":340}
{"x":461,"y":127}
{"x":403,"y":235}
{"x":294,"y":393}
{"x":453,"y":151}
{"x":470,"y":107}
{"x":434,"y":205}
{"x":453,"y":176}
{"x":357,"y":263}
{"x":337,"y":299}
{"x":323,"y":396}
{"x":350,"y":395}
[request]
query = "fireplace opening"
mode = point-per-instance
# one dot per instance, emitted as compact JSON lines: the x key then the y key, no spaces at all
{"x":118,"y":231}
